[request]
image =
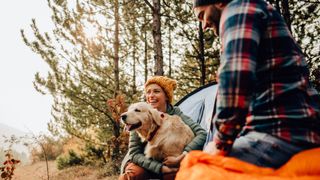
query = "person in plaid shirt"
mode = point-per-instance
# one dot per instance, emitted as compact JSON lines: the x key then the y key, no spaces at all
{"x":266,"y":109}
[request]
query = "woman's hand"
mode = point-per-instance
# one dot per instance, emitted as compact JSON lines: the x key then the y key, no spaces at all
{"x":211,"y":149}
{"x":173,"y":161}
{"x":165,"y":169}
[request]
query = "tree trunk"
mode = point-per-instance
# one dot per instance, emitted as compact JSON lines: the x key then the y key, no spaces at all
{"x":170,"y":49}
{"x":278,"y":6}
{"x":145,"y":50}
{"x":134,"y":40}
{"x":201,"y":55}
{"x":156,"y":31}
{"x":116,"y":126}
{"x":134,"y":87}
{"x":286,"y":13}
{"x":116,"y":47}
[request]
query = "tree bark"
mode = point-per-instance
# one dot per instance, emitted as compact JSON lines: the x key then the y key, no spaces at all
{"x":116,"y":47}
{"x":170,"y":49}
{"x":116,"y":126}
{"x":156,"y":32}
{"x":145,"y":50}
{"x":286,"y":13}
{"x":134,"y":40}
{"x":201,"y":55}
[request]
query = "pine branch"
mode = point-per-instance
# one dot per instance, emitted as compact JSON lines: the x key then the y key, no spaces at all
{"x":148,"y":3}
{"x":310,"y":1}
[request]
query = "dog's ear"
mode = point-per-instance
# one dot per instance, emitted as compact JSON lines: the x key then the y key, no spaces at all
{"x":156,"y":116}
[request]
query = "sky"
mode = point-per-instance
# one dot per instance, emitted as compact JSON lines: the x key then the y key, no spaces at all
{"x":21,"y":106}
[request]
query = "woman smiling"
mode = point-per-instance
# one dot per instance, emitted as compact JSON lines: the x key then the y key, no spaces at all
{"x":159,"y":94}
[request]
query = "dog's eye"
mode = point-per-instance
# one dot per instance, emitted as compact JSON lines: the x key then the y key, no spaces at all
{"x":137,"y":110}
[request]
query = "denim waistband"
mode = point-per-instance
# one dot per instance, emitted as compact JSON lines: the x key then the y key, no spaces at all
{"x":277,"y":141}
{"x":264,"y":137}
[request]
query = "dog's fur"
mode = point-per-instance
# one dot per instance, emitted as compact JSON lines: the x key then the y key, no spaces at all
{"x":171,"y":136}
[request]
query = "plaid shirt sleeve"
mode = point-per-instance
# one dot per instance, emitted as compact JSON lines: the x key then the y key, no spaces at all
{"x":240,"y":29}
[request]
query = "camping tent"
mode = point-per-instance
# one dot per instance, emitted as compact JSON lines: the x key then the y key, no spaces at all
{"x":199,"y":105}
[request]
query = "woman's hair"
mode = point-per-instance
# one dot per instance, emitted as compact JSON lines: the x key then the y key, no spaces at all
{"x":167,"y":84}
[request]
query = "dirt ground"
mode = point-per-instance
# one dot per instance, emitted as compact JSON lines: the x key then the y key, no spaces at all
{"x":37,"y":171}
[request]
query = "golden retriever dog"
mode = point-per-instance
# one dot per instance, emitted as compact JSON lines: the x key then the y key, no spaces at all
{"x":165,"y":135}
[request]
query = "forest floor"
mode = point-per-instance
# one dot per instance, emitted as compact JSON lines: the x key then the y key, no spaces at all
{"x":38,"y":171}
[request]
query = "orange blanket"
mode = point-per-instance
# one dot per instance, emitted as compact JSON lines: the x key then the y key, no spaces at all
{"x":198,"y":165}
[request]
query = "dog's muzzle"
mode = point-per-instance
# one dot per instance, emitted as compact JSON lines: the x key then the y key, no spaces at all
{"x":129,"y":127}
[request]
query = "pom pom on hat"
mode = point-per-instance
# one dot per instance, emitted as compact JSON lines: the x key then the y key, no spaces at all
{"x":167,"y":84}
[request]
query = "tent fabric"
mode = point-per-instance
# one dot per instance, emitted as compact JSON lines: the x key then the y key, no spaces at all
{"x":199,"y":165}
{"x":199,"y":106}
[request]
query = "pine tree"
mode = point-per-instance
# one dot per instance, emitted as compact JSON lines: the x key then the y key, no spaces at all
{"x":83,"y":69}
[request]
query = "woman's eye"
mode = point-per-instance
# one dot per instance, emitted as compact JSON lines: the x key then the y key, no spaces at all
{"x":137,"y":110}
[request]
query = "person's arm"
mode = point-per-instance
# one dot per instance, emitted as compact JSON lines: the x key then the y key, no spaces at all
{"x":196,"y":143}
{"x":136,"y":153}
{"x":199,"y":133}
{"x":241,"y":27}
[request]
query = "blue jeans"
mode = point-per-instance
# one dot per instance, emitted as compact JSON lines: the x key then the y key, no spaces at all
{"x":263,"y":149}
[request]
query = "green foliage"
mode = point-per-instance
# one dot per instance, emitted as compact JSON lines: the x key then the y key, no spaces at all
{"x":69,"y":160}
{"x":80,"y":79}
{"x":82,"y":53}
{"x":93,"y":155}
{"x":190,"y":72}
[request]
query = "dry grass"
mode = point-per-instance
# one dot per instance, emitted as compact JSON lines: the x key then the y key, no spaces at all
{"x":37,"y":171}
{"x":77,"y":172}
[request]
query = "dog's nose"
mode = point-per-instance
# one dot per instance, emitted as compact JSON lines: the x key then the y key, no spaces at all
{"x":124,"y":117}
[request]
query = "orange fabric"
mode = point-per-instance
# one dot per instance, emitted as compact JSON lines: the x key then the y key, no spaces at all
{"x":198,"y":165}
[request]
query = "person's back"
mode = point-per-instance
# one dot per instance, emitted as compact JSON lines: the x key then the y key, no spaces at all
{"x":283,"y":102}
{"x":265,"y":101}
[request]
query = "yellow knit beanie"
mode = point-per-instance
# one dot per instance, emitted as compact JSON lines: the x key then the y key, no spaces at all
{"x":167,"y":84}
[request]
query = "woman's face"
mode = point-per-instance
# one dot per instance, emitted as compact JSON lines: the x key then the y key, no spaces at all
{"x":156,"y":97}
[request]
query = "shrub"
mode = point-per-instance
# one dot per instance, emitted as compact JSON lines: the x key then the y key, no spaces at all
{"x":71,"y":159}
{"x":93,"y":155}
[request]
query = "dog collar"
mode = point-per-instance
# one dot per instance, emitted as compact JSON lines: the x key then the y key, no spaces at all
{"x":153,"y":133}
